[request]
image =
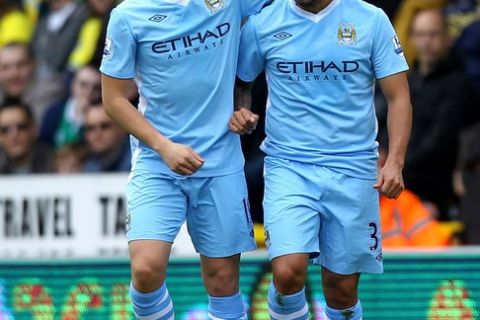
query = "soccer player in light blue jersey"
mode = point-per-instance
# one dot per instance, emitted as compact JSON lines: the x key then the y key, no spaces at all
{"x":187,"y":165}
{"x":322,"y":58}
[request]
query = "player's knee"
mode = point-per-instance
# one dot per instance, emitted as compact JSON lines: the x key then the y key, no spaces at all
{"x":221,"y":282}
{"x":340,"y":292}
{"x":288,"y":278}
{"x":147,"y":277}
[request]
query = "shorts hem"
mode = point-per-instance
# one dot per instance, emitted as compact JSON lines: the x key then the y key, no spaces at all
{"x":154,"y":238}
{"x":349,"y":271}
{"x":272,"y":255}
{"x":225,"y":254}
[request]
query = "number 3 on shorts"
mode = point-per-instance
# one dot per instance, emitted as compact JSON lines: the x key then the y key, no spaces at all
{"x":373,"y":228}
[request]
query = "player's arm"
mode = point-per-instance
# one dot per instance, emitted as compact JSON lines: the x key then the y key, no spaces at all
{"x":399,"y":123}
{"x":118,"y":67}
{"x":243,"y":120}
{"x":390,"y":65}
{"x":180,"y":158}
{"x":250,"y":64}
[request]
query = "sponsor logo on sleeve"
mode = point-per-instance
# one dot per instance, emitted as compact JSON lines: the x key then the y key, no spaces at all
{"x":398,"y":46}
{"x":108,"y":49}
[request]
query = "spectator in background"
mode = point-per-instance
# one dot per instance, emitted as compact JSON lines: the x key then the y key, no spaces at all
{"x":18,"y":81}
{"x":464,"y":26}
{"x":16,"y":71}
{"x":108,"y":144}
{"x":461,"y":13}
{"x":56,"y":36}
{"x":18,"y":139}
{"x":389,"y":6}
{"x":32,"y":9}
{"x":467,"y":47}
{"x":15,"y":26}
{"x":63,"y":121}
{"x":443,"y":98}
{"x":70,"y":158}
{"x":470,"y":191}
{"x":407,"y":223}
{"x":403,"y":22}
{"x":89,"y":48}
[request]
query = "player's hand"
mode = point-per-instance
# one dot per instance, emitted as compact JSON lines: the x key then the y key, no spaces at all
{"x":390,"y":180}
{"x":182,"y":159}
{"x":243,"y":121}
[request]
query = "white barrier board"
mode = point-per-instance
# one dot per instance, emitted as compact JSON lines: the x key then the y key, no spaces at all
{"x":67,"y":216}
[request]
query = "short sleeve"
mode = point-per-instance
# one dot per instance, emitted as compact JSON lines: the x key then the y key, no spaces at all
{"x":387,"y":54}
{"x":120,"y":49}
{"x":250,"y":60}
{"x":251,"y":7}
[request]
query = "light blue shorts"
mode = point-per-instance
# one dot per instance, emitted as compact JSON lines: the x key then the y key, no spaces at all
{"x":216,"y":210}
{"x":333,"y":217}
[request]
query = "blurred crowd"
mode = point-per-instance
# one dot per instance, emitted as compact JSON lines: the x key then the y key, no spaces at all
{"x":52,"y":120}
{"x":51,"y":115}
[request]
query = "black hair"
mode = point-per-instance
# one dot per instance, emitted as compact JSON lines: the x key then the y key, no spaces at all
{"x":15,"y":104}
{"x":8,"y":5}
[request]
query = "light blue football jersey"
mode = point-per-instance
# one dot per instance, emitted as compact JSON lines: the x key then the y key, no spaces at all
{"x":183,"y":57}
{"x":321,"y":71}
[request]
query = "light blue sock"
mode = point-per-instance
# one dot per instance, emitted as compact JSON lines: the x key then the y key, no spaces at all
{"x":231,"y":307}
{"x":156,"y":305}
{"x":353,"y":313}
{"x":290,"y":307}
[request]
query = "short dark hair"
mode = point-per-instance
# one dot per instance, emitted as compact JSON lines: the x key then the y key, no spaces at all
{"x":20,"y":106}
{"x":96,"y":104}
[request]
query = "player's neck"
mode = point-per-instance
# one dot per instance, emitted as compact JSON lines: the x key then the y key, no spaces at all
{"x":314,"y":6}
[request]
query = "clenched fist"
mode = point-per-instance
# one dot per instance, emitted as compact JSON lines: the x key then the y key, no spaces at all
{"x":243,"y":121}
{"x":182,"y":159}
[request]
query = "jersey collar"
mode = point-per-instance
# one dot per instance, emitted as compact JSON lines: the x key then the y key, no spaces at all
{"x":315,"y":17}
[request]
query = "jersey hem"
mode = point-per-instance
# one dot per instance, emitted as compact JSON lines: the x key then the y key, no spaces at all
{"x":209,"y":174}
{"x":369,"y":176}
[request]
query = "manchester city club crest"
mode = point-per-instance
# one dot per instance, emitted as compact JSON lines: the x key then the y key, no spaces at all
{"x":347,"y":35}
{"x":215,"y":6}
